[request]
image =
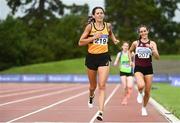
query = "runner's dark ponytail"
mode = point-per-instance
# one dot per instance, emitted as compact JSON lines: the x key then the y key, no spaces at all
{"x":90,"y":19}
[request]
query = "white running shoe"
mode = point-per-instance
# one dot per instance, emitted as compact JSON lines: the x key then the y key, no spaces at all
{"x":100,"y":116}
{"x":140,"y":97}
{"x":144,"y":111}
{"x":91,"y":101}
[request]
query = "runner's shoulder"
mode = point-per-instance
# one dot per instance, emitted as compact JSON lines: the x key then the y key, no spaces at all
{"x":135,"y":42}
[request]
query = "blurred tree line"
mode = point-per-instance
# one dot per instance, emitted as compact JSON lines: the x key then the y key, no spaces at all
{"x":49,"y":30}
{"x":127,"y":15}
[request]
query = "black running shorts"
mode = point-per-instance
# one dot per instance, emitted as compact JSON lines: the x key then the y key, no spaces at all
{"x":93,"y":61}
{"x":125,"y":74}
{"x":144,"y":70}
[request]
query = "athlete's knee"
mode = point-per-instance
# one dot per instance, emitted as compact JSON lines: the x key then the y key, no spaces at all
{"x":147,"y":93}
{"x":92,"y":88}
{"x":129,"y":88}
{"x":141,"y":86}
{"x":102,"y":86}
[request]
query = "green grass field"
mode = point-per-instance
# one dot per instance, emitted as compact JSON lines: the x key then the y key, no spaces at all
{"x":76,"y":66}
{"x":168,"y":96}
{"x":170,"y":57}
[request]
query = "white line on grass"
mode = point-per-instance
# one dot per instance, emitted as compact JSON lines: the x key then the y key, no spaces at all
{"x":107,"y":100}
{"x":167,"y":114}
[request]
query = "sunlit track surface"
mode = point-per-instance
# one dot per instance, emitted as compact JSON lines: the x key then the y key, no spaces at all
{"x":67,"y":102}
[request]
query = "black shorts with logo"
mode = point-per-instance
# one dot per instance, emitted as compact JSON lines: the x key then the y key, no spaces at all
{"x":144,"y":70}
{"x":93,"y":61}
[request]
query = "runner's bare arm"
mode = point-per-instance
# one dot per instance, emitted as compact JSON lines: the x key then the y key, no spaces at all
{"x":111,"y":34}
{"x":117,"y":59}
{"x":130,"y":56}
{"x":131,"y":49}
{"x":133,"y":46}
{"x":155,"y":50}
{"x":84,"y":39}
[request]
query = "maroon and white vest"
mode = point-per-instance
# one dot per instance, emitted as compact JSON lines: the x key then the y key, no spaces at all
{"x":143,"y":55}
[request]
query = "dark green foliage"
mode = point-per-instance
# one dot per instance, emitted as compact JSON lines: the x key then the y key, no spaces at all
{"x":46,"y":34}
{"x":12,"y":42}
{"x":127,"y":15}
{"x":21,"y":44}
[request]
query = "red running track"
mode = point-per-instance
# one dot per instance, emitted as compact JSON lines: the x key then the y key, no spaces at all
{"x":67,"y":102}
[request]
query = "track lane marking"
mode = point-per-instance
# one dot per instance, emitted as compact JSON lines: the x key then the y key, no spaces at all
{"x":27,"y":92}
{"x":107,"y":100}
{"x":167,"y":114}
{"x":39,"y":96}
{"x":23,"y":88}
{"x":49,"y":106}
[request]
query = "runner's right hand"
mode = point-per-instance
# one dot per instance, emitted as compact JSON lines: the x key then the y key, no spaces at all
{"x":97,"y":35}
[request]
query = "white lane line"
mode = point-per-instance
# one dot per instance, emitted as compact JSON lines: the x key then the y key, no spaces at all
{"x":16,"y":90}
{"x":113,"y":92}
{"x":167,"y":114}
{"x":49,"y":106}
{"x":28,"y":92}
{"x":42,"y":95}
{"x":23,"y":88}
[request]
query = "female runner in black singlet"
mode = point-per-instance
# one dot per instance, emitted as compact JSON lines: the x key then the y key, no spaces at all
{"x":96,"y":36}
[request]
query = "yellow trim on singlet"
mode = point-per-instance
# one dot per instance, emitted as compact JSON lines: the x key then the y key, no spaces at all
{"x":100,"y":45}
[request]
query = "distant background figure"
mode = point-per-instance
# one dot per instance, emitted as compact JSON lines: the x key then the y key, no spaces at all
{"x":144,"y":50}
{"x":126,"y":71}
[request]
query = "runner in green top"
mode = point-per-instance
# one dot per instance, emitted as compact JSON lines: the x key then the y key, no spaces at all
{"x":124,"y":65}
{"x":126,"y":71}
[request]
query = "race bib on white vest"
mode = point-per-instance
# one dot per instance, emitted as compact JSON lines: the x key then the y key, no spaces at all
{"x":143,"y":52}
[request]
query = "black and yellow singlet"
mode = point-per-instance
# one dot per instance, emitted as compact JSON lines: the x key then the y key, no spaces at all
{"x":99,"y":45}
